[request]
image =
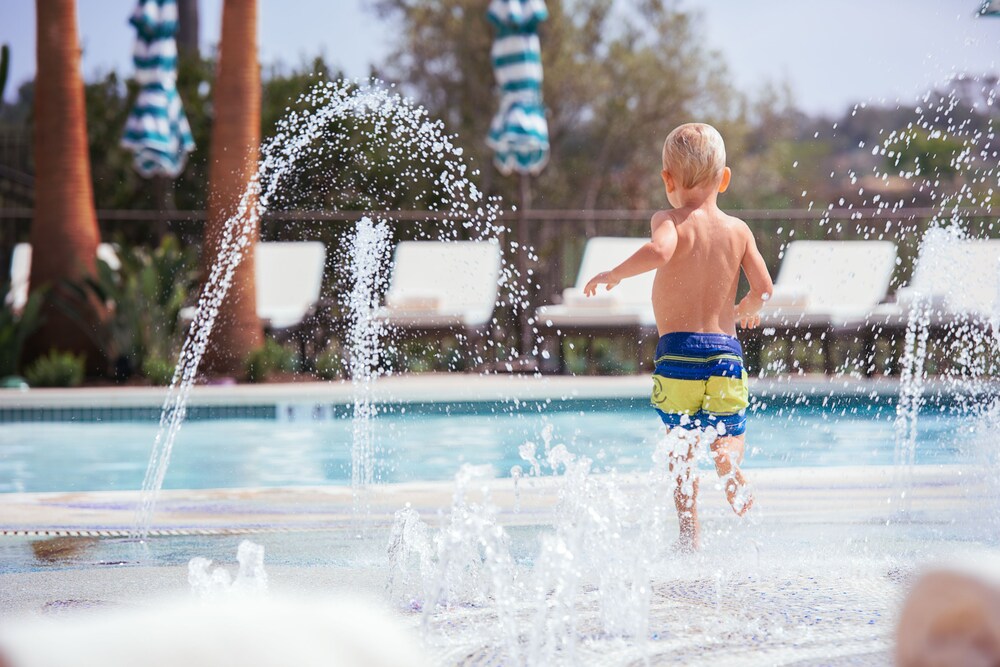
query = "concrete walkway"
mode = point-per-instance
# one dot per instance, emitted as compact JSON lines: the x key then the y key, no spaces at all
{"x":814,"y":575}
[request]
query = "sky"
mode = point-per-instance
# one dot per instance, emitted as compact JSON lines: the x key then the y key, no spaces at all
{"x":832,"y":54}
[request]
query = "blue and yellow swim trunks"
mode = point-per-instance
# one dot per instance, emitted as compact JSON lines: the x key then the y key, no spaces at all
{"x":699,"y":382}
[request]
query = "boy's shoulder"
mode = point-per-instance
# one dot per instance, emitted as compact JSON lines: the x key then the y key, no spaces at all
{"x":658,"y":218}
{"x":677,"y":217}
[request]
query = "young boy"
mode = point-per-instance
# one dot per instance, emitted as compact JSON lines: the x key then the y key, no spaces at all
{"x":699,"y":384}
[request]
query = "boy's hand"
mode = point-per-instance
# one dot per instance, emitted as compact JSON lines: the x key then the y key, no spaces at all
{"x":602,"y":278}
{"x":745,"y":317}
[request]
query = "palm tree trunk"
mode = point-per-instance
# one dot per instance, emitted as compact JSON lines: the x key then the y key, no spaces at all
{"x":64,"y":233}
{"x":188,"y":31}
{"x":233,"y":156}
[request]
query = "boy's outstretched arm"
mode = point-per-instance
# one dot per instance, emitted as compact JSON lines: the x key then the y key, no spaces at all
{"x":761,"y":287}
{"x":652,"y":255}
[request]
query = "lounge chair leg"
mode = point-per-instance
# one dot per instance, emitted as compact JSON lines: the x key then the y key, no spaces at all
{"x":828,"y":365}
{"x":870,"y":352}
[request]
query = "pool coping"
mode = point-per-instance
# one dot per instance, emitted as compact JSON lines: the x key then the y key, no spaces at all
{"x":803,"y":494}
{"x":444,"y":388}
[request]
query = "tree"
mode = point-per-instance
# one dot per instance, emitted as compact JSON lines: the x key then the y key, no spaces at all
{"x":64,"y":232}
{"x":233,"y":159}
{"x":617,"y":78}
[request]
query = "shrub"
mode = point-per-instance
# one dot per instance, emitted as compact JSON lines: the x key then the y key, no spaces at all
{"x":56,"y":369}
{"x":271,"y":358}
{"x":329,"y":364}
{"x":158,"y":371}
{"x":143,"y":299}
{"x":15,"y":329}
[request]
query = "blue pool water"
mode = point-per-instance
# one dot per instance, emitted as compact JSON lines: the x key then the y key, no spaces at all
{"x":431,"y":443}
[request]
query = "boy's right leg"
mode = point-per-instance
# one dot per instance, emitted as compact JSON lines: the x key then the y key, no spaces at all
{"x":727,"y":452}
{"x":685,"y":474}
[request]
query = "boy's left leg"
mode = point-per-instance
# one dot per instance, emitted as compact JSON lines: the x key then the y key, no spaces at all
{"x":684,"y":471}
{"x":727,"y":452}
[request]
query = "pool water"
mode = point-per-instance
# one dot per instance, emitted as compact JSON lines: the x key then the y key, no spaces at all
{"x":433,"y":441}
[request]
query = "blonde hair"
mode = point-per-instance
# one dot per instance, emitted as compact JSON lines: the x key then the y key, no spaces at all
{"x":694,"y":154}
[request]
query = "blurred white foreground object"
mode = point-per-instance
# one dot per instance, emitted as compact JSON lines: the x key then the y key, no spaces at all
{"x":950,"y":618}
{"x":234,"y":630}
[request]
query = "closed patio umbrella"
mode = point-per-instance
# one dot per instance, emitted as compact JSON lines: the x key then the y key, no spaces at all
{"x":519,"y":134}
{"x":990,"y":8}
{"x":157,"y":129}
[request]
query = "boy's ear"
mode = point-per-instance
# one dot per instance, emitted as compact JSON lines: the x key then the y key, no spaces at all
{"x":727,"y":177}
{"x":668,"y":180}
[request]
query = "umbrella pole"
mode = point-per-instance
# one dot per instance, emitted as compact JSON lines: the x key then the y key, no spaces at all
{"x":163,"y":200}
{"x":527,"y":340}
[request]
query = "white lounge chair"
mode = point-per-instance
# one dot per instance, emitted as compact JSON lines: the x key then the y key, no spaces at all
{"x":629,"y":304}
{"x":958,"y":279}
{"x":626,"y":309}
{"x":20,"y":271}
{"x":288,"y":277}
{"x":443,"y":285}
{"x":829,"y":284}
{"x":827,"y":289}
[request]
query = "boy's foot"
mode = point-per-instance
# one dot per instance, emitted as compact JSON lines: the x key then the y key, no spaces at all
{"x":685,"y":547}
{"x":739,"y":496}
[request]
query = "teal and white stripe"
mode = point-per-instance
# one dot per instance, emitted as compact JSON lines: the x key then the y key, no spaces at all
{"x":990,"y":8}
{"x":519,"y":133}
{"x":157,"y":129}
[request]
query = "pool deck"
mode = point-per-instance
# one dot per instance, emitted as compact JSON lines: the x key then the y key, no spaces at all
{"x":813,"y":576}
{"x":445,"y":387}
{"x":800,"y":495}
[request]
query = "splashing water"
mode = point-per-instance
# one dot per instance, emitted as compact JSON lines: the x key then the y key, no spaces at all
{"x":591,"y":574}
{"x":251,"y":579}
{"x":355,"y":122}
{"x":911,"y":397}
{"x":367,"y":248}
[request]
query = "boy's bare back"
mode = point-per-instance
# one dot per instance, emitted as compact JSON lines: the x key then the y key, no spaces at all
{"x":696,"y":290}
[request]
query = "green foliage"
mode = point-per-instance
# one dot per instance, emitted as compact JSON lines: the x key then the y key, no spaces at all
{"x":330,"y":363}
{"x":16,"y":327}
{"x":143,"y":299}
{"x":109,"y":100}
{"x":600,"y":355}
{"x":116,"y":183}
{"x":617,"y":79}
{"x":930,"y":154}
{"x":157,"y":370}
{"x":56,"y":369}
{"x":272,"y":357}
{"x":424,"y":356}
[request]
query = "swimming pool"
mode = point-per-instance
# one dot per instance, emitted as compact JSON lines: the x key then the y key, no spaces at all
{"x":432,"y":441}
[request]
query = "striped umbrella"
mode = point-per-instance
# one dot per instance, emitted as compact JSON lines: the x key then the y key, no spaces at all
{"x":157,"y":129}
{"x":519,"y":134}
{"x":990,"y":8}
